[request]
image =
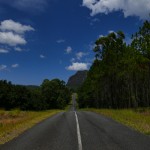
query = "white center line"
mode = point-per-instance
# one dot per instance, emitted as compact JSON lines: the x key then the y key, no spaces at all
{"x":78,"y":132}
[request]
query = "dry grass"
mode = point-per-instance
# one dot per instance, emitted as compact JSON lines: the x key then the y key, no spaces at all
{"x":13,"y":123}
{"x":139,"y":119}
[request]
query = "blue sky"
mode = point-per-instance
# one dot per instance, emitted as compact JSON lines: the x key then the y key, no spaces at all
{"x":54,"y":38}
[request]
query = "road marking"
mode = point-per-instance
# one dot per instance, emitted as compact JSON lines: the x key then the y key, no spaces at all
{"x":78,"y":132}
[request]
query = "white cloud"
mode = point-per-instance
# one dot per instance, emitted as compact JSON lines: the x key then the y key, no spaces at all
{"x":42,"y":56}
{"x":101,"y":36}
{"x":10,"y":25}
{"x":93,"y":21}
{"x":79,"y":55}
{"x":111,"y":31}
{"x":91,"y":46}
{"x":12,"y":33}
{"x":18,"y":49}
{"x":140,"y":8}
{"x":3,"y":67}
{"x":72,"y":59}
{"x":15,"y":65}
{"x":76,"y":66}
{"x":11,"y":39}
{"x":4,"y":51}
{"x":68,"y":50}
{"x":60,"y":41}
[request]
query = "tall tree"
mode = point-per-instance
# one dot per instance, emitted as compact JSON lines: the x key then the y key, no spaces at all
{"x":120,"y":75}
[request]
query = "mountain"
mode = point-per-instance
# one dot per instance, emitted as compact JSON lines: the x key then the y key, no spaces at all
{"x":77,"y":79}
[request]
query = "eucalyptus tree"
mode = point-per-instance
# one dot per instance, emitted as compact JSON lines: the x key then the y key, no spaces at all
{"x":120,"y":75}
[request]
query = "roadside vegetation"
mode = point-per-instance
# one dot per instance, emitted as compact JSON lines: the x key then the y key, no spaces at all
{"x":52,"y":94}
{"x":120,"y":75}
{"x":138,"y":119}
{"x":118,"y":82}
{"x":14,"y":122}
{"x":24,"y":106}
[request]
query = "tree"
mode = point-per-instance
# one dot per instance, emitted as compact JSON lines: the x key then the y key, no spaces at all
{"x":120,"y":75}
{"x":55,"y":93}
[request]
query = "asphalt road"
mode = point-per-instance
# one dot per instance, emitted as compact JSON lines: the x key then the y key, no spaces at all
{"x":79,"y":131}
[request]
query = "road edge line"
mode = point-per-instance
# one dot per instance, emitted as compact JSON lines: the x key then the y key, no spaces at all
{"x":78,"y":132}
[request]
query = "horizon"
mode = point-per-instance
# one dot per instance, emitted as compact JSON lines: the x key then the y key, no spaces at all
{"x":44,"y":79}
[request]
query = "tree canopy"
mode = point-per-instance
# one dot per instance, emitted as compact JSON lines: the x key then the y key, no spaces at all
{"x":120,"y":74}
{"x":50,"y":95}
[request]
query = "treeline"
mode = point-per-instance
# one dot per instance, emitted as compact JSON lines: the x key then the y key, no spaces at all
{"x":52,"y":94}
{"x":120,"y":74}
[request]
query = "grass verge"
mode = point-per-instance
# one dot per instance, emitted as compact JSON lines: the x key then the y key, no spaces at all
{"x":13,"y":123}
{"x":138,"y":120}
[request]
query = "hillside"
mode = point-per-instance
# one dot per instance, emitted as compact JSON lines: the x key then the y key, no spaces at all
{"x":77,"y":79}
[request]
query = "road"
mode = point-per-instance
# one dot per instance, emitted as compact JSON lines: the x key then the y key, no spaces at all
{"x":79,"y":130}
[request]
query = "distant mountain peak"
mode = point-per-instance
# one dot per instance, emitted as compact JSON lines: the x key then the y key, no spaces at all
{"x":76,"y":80}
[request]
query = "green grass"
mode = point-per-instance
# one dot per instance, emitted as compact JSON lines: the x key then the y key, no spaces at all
{"x":136,"y":119}
{"x":13,"y":123}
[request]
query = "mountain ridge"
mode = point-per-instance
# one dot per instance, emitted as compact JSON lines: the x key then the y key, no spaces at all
{"x":76,"y":80}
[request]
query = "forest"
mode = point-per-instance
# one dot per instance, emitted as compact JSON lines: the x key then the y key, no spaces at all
{"x":118,"y":78}
{"x":120,"y":74}
{"x":52,"y":94}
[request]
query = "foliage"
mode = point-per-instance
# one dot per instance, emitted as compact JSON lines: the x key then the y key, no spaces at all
{"x":55,"y":93}
{"x":52,"y":94}
{"x":120,"y":75}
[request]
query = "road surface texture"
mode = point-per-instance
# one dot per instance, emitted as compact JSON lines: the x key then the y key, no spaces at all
{"x":79,"y":131}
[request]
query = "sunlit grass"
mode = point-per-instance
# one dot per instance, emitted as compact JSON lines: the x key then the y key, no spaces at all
{"x":13,"y":123}
{"x":137,"y":119}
